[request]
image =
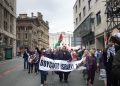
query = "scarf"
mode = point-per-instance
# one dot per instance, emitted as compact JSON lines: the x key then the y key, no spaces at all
{"x":110,"y":50}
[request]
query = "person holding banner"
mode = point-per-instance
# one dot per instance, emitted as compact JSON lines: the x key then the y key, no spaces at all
{"x":42,"y":72}
{"x":36,"y":59}
{"x":30,"y":63}
{"x":64,"y":54}
{"x":74,"y":55}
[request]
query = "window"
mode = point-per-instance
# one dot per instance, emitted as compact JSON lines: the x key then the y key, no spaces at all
{"x":79,"y":3}
{"x":18,"y":43}
{"x":84,"y":11}
{"x":76,"y":21}
{"x":98,"y":18}
{"x":80,"y":17}
{"x":89,"y":4}
{"x":5,"y":26}
{"x":18,"y":35}
{"x":18,"y":29}
{"x":6,"y":40}
{"x":76,"y":8}
{"x":11,"y":29}
{"x":26,"y":36}
{"x":5,"y":13}
{"x":11,"y":41}
{"x":0,"y":16}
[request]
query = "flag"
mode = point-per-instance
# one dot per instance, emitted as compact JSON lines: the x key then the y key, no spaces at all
{"x":105,"y":39}
{"x":59,"y":41}
{"x":61,"y":37}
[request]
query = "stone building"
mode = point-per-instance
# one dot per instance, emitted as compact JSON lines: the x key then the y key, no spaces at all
{"x":90,"y":22}
{"x":7,"y":29}
{"x":32,"y":31}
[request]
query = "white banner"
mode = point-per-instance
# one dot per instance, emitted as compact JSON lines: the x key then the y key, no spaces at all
{"x":48,"y":64}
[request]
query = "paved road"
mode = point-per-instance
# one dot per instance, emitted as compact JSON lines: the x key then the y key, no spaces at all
{"x":13,"y":74}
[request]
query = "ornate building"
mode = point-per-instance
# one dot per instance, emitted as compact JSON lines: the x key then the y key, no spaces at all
{"x":7,"y":29}
{"x":32,"y":31}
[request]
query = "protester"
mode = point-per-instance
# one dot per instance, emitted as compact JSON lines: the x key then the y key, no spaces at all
{"x":97,"y":55}
{"x":102,"y":70}
{"x":63,"y":55}
{"x":80,"y":53}
{"x":109,"y":61}
{"x":37,"y":59}
{"x":85,"y":54}
{"x":115,"y":71}
{"x":42,"y":72}
{"x":50,"y":54}
{"x":25,"y":57}
{"x":74,"y":55}
{"x":91,"y":68}
{"x":30,"y":62}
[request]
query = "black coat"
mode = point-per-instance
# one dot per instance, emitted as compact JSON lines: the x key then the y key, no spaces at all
{"x":25,"y":55}
{"x":63,"y":55}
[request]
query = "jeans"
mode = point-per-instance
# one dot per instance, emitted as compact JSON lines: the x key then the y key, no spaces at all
{"x":65,"y":75}
{"x":25,"y":63}
{"x":30,"y":67}
{"x":43,"y":76}
{"x":36,"y":67}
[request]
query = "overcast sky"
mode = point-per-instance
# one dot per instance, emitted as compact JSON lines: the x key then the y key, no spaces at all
{"x":59,"y":13}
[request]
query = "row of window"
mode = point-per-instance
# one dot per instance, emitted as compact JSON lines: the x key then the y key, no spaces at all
{"x":19,"y":36}
{"x":8,"y":41}
{"x":84,"y":12}
{"x":79,"y":2}
{"x":98,"y":18}
{"x":22,"y":28}
{"x":6,"y":22}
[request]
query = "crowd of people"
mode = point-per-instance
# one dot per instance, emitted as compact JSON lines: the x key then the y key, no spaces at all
{"x":106,"y":62}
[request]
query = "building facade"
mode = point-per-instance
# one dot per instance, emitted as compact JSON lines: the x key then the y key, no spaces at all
{"x":32,"y":32}
{"x":7,"y":29}
{"x":54,"y":37}
{"x":90,"y":22}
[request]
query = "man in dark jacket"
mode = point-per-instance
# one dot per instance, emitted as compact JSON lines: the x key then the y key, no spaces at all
{"x":115,"y":72}
{"x":63,"y":54}
{"x":25,"y":57}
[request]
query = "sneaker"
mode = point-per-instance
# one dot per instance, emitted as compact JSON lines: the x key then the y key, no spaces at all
{"x":41,"y":85}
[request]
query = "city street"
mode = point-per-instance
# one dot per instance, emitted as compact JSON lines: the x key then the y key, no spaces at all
{"x":13,"y":74}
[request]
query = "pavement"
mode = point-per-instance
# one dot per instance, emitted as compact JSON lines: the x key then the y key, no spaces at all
{"x":13,"y":74}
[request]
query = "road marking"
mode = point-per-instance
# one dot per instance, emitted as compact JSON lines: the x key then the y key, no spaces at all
{"x":9,"y":71}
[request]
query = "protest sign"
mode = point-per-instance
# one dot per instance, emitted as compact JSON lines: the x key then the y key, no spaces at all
{"x":48,"y":64}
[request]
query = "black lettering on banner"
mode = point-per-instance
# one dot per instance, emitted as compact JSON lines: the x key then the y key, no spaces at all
{"x":50,"y":65}
{"x":66,"y":66}
{"x":47,"y":63}
{"x":41,"y":63}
